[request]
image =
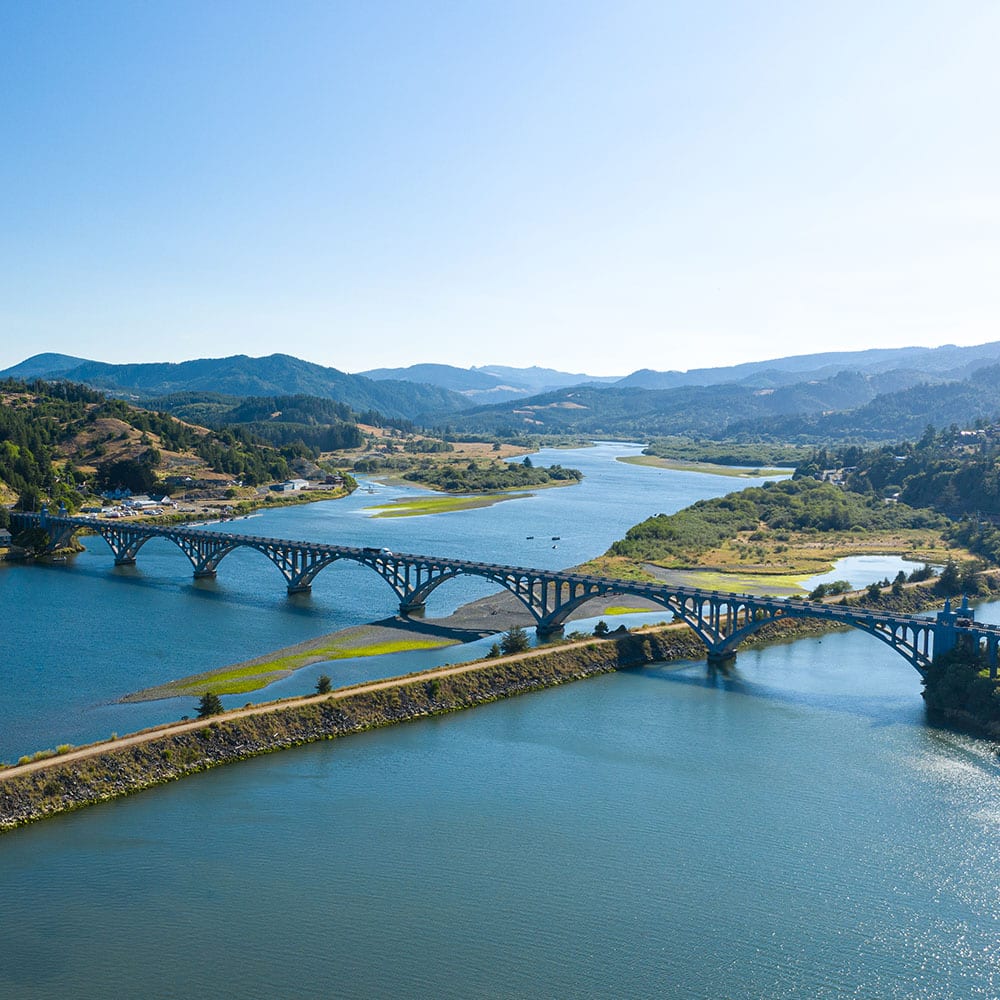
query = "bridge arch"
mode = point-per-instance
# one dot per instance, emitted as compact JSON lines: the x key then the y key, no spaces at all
{"x":721,"y":620}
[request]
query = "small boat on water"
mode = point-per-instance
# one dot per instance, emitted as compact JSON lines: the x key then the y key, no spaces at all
{"x":555,"y":538}
{"x":530,"y":537}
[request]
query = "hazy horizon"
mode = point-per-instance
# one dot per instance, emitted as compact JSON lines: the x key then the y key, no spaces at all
{"x":493,"y":364}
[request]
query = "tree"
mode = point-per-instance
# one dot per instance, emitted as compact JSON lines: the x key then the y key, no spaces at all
{"x":323,"y":684}
{"x":209,"y":704}
{"x":514,"y":640}
{"x":950,"y":580}
{"x":601,"y":629}
{"x":30,"y":499}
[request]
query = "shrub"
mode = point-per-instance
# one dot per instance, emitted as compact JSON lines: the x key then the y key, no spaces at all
{"x":323,"y":684}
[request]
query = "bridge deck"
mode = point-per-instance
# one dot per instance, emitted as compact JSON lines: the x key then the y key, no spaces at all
{"x":722,"y":619}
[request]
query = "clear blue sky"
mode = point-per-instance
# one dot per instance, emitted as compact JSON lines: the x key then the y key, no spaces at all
{"x":590,"y":186}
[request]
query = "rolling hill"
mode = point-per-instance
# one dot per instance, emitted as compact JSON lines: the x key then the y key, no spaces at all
{"x":275,"y":375}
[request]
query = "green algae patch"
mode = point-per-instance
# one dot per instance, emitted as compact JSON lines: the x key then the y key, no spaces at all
{"x":618,"y":609}
{"x":710,"y":468}
{"x":254,"y":674}
{"x":421,"y":506}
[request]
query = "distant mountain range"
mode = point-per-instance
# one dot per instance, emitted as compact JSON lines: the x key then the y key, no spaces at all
{"x":491,"y":383}
{"x":948,"y":362}
{"x":875,"y":394}
{"x":848,"y":407}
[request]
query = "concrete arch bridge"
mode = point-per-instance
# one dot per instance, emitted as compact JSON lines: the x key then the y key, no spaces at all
{"x":721,"y":620}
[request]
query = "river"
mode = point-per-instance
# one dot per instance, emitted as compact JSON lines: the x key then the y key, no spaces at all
{"x":797,"y":830}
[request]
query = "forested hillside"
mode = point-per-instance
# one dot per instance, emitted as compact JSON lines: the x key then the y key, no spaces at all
{"x":955,"y":472}
{"x":62,"y":441}
{"x":278,"y":374}
{"x":320,"y":424}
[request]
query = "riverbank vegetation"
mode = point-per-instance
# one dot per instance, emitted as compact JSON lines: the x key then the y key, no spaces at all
{"x":758,"y":454}
{"x":958,"y":687}
{"x":793,"y":527}
{"x":483,"y":477}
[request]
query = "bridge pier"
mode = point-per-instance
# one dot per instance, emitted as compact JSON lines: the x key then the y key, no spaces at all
{"x":548,"y":631}
{"x":721,"y":620}
{"x":721,"y":661}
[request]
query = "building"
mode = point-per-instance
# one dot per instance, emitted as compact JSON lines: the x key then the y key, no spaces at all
{"x":290,"y":485}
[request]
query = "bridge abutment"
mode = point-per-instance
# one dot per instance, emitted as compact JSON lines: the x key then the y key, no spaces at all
{"x":204,"y":574}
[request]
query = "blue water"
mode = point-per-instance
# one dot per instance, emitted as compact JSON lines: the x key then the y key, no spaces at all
{"x":80,"y":635}
{"x":859,"y":571}
{"x":796,"y":830}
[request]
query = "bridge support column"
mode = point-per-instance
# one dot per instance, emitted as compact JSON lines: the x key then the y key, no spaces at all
{"x":414,"y":608}
{"x":204,"y":574}
{"x":721,"y":661}
{"x":124,"y":560}
{"x":548,"y":631}
{"x":300,"y":588}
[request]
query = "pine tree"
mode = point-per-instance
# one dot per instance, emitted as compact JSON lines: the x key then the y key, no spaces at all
{"x":209,"y":704}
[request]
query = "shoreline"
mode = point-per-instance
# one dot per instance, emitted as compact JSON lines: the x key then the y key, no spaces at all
{"x":50,"y":785}
{"x":477,"y":619}
{"x":54,"y":782}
